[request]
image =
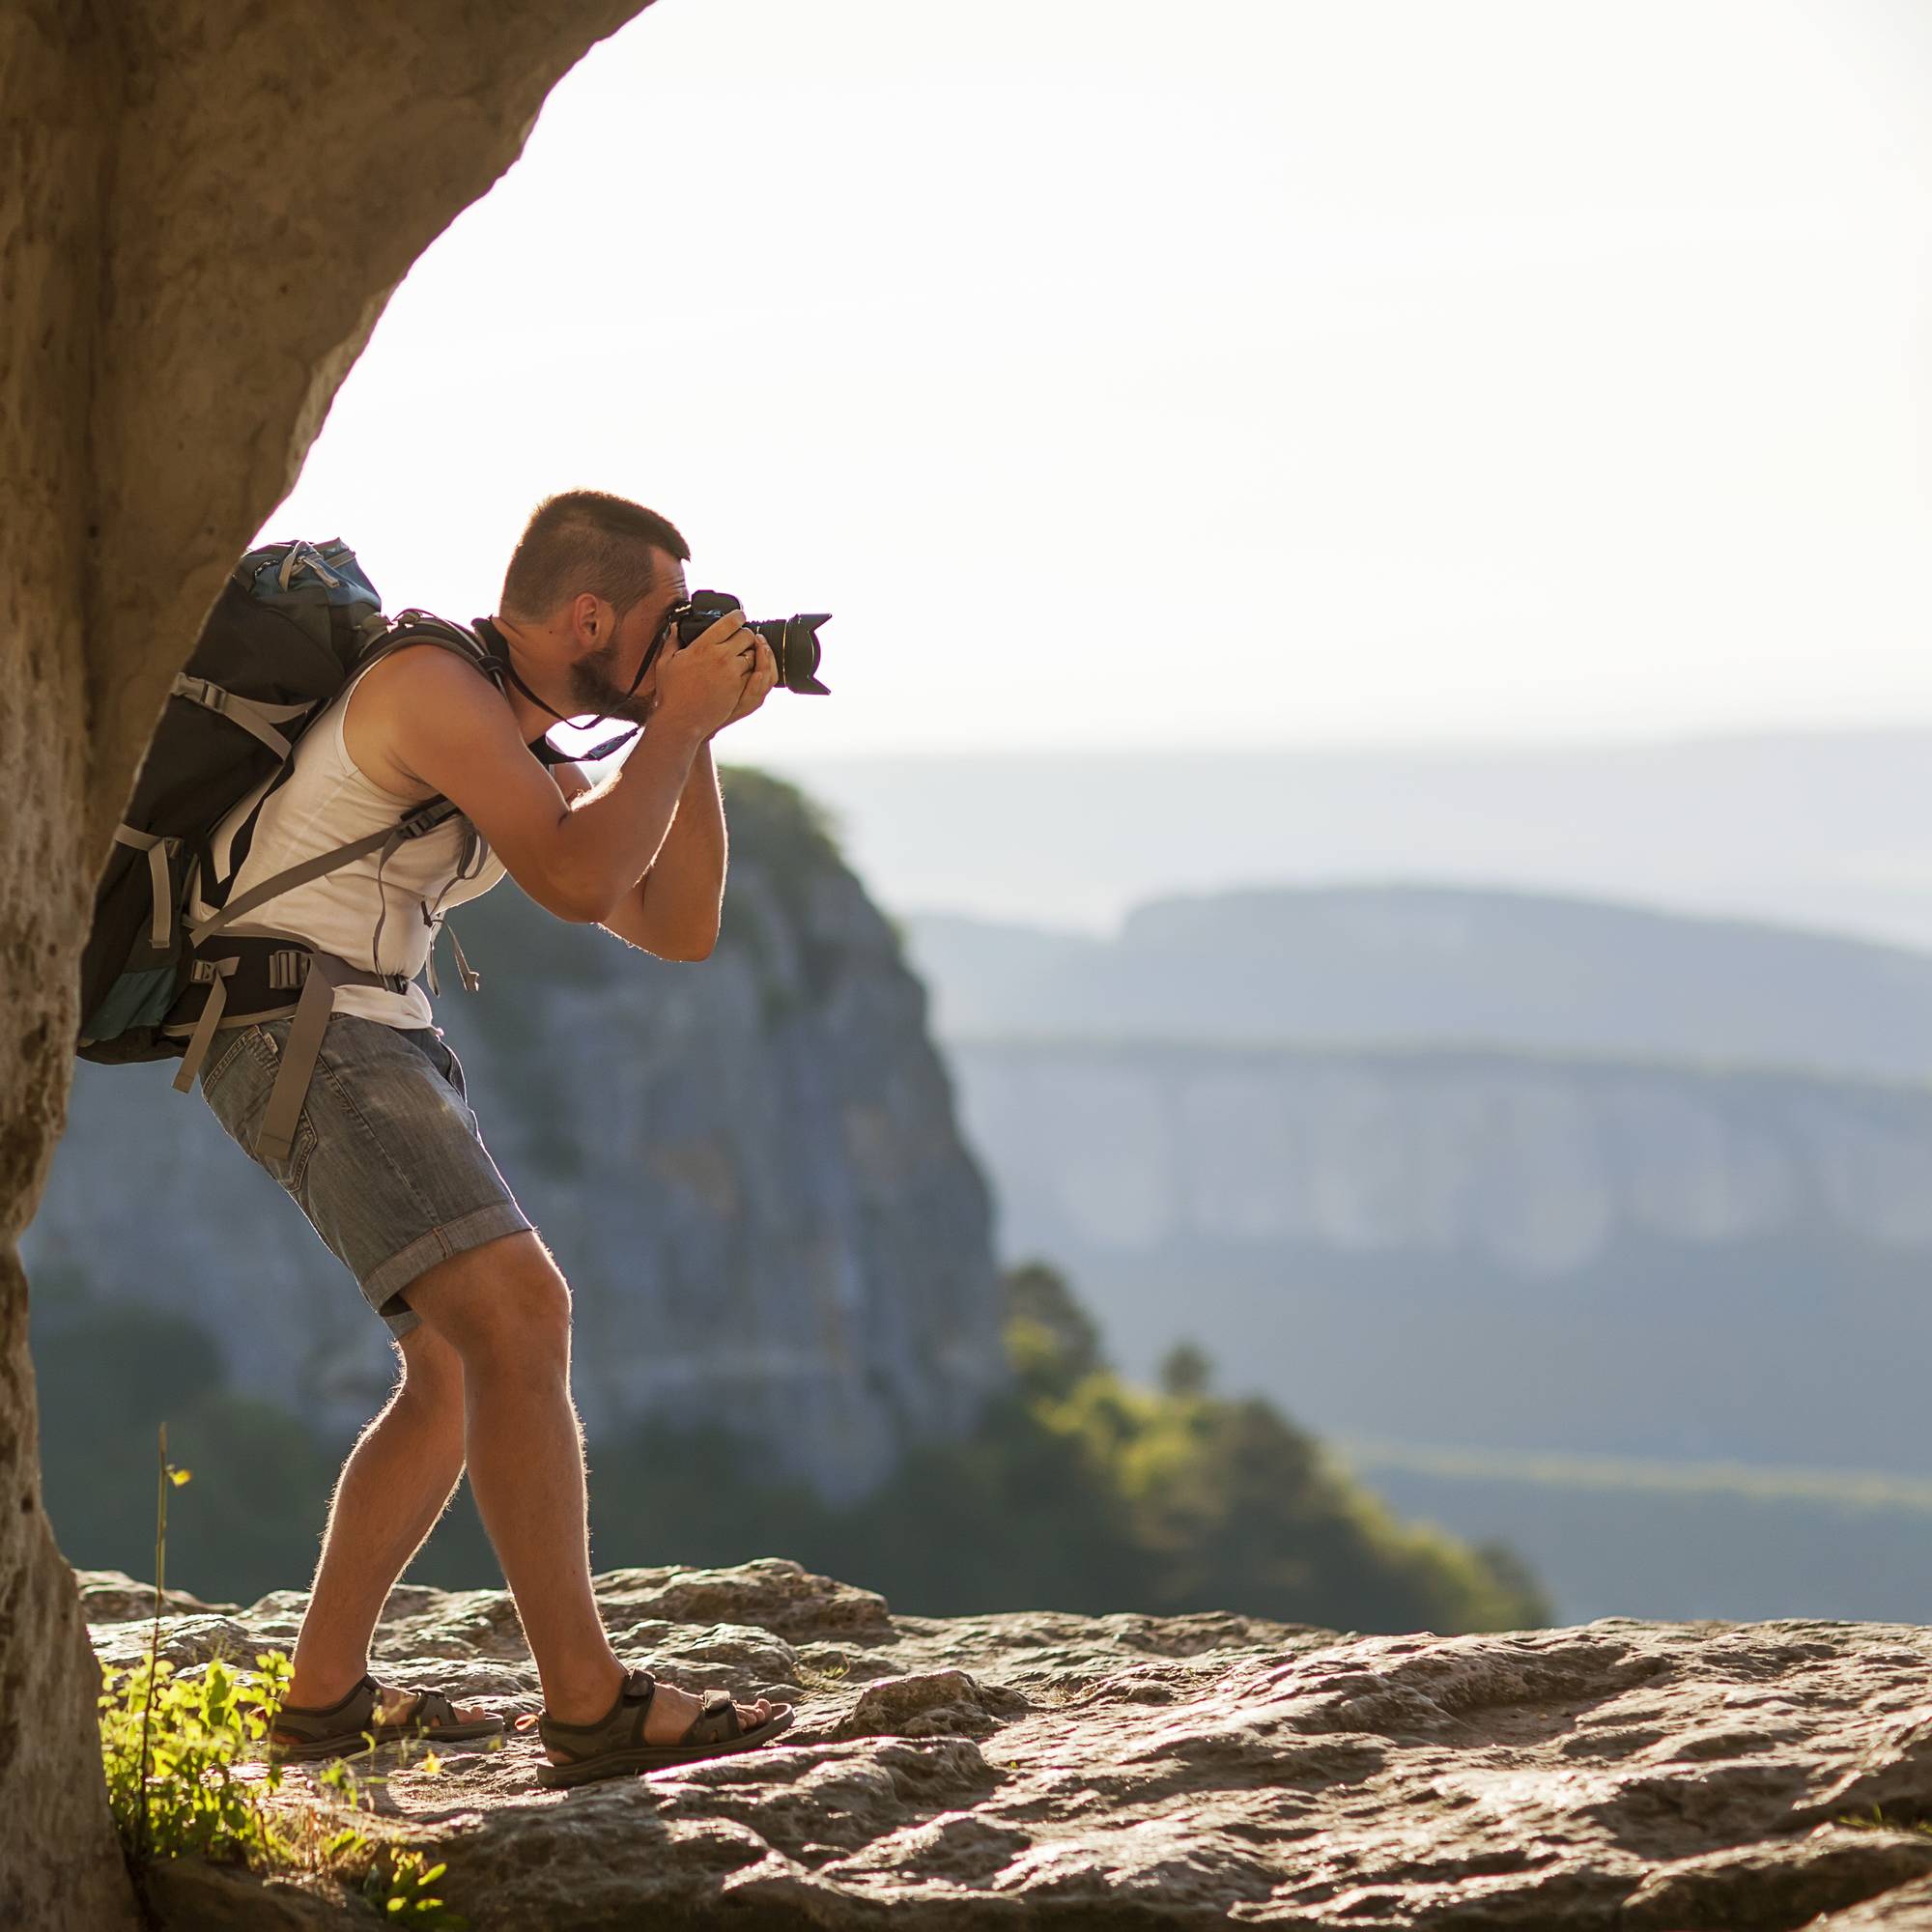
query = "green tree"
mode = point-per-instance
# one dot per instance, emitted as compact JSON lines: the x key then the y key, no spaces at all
{"x":1057,"y":1341}
{"x":1185,"y":1371}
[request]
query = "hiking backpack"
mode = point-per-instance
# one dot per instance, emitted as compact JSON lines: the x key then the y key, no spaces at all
{"x":292,"y":624}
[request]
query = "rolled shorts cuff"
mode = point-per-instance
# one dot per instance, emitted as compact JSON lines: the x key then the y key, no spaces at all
{"x":385,"y":1284}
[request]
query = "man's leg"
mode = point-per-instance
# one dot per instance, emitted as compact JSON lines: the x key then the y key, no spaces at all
{"x":396,"y":1483}
{"x":505,"y":1311}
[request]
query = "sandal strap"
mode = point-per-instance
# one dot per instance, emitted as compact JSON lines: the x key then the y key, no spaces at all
{"x":620,"y":1728}
{"x":308,"y":1723}
{"x":717,"y":1723}
{"x":431,"y":1710}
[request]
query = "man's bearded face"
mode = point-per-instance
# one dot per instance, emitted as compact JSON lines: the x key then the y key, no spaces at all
{"x":599,"y":678}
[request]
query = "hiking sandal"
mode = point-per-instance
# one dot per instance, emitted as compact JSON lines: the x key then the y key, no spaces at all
{"x":616,"y":1743}
{"x":303,"y":1732}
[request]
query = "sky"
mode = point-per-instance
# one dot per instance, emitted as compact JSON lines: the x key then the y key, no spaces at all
{"x":1252,"y":374}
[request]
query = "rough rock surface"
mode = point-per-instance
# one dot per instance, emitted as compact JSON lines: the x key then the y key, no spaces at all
{"x":203,"y":208}
{"x":1185,"y":1771}
{"x":750,"y":1172}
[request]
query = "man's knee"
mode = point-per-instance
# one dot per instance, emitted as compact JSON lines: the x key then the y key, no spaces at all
{"x":431,"y":1374}
{"x":502,"y":1304}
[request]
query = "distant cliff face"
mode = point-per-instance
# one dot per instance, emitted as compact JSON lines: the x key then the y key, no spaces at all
{"x":1470,"y":1246}
{"x":1532,"y":1165}
{"x":748,"y":1168}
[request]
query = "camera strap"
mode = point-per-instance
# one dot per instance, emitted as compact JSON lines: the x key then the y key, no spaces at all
{"x":499,"y":649}
{"x":545,"y":752}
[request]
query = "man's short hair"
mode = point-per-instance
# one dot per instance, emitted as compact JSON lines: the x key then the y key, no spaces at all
{"x":587,"y":540}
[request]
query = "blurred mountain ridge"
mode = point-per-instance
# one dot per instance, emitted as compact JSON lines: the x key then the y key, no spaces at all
{"x":1824,"y":830}
{"x":1412,"y":964}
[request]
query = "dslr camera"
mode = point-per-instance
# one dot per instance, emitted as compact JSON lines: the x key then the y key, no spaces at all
{"x":794,"y":641}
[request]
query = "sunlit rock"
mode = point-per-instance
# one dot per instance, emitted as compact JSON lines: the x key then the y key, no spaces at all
{"x":1191,"y":1770}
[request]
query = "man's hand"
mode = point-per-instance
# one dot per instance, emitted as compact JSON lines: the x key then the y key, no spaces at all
{"x":759,"y":682}
{"x":704,"y":685}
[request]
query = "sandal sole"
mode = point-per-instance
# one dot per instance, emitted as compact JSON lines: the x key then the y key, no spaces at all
{"x":357,"y":1744}
{"x":654,"y":1758}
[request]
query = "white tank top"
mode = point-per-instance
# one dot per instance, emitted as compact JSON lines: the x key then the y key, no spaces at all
{"x":379,"y":914}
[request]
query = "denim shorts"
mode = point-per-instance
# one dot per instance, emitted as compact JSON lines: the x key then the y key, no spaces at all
{"x":387,"y":1161}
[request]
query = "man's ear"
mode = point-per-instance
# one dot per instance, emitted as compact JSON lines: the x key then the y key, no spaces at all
{"x":585,"y":619}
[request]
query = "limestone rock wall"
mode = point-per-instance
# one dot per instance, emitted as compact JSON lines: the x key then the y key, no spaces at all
{"x":1532,"y":1165}
{"x":203,"y":208}
{"x":57,"y":1856}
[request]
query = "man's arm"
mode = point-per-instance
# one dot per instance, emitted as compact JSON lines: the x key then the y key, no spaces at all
{"x":578,"y":859}
{"x":676,"y":908}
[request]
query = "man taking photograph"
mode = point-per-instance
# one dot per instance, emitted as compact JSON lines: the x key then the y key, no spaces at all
{"x":386,"y":1159}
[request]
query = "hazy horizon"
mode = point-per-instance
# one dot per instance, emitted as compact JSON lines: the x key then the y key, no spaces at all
{"x":1262,"y":377}
{"x":1472,"y":749}
{"x":1815,"y":830}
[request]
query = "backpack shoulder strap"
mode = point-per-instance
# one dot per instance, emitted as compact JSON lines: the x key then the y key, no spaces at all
{"x":483,"y":645}
{"x":424,"y":818}
{"x":407,"y":627}
{"x":424,"y":627}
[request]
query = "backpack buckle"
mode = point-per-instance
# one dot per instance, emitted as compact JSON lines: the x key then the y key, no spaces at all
{"x":303,"y":557}
{"x":199,"y":691}
{"x":425,"y":819}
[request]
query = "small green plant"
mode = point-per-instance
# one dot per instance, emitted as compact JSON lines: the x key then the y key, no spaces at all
{"x":395,"y":1882}
{"x":178,"y":1756}
{"x":166,"y":1476}
{"x":174,"y":1750}
{"x":171,"y":1749}
{"x":1857,"y":1821}
{"x":814,"y":1677}
{"x":399,"y":1886}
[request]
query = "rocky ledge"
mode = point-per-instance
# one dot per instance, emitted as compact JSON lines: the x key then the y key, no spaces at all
{"x":1163,"y":1771}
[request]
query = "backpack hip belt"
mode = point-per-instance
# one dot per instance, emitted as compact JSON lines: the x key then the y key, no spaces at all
{"x":246,"y":978}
